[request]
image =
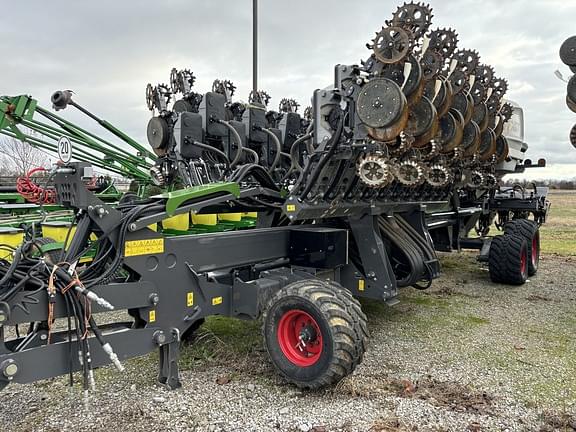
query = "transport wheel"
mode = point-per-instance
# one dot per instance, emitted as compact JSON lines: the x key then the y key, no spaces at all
{"x":355,"y":310}
{"x":508,"y":259}
{"x":529,"y":230}
{"x":314,"y":332}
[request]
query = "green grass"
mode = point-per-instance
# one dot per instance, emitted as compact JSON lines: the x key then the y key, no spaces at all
{"x":472,"y":320}
{"x":222,"y":339}
{"x":558,"y":234}
{"x":426,"y":300}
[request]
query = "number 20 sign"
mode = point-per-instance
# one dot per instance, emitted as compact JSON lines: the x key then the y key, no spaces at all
{"x":64,"y":149}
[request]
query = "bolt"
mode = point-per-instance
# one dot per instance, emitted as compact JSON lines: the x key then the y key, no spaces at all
{"x":132,"y":227}
{"x":159,"y":337}
{"x":154,"y":299}
{"x":9,"y":368}
{"x":2,"y":317}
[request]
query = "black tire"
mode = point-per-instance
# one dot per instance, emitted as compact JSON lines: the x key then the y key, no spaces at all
{"x":530,"y":230}
{"x":333,"y":329}
{"x":51,"y":256}
{"x":508,"y":259}
{"x":360,"y":320}
{"x":353,"y":307}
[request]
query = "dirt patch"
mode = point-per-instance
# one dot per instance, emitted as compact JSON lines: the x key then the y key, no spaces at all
{"x":554,"y":421}
{"x":391,"y":425}
{"x":452,"y":395}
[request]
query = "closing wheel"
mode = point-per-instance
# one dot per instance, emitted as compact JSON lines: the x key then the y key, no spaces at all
{"x":530,"y":231}
{"x":508,"y":259}
{"x":314,"y":332}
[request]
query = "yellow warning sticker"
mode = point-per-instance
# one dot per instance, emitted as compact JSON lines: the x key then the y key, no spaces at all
{"x":290,"y":207}
{"x":144,"y":247}
{"x":216,"y":301}
{"x":190,"y":299}
{"x":361,"y":285}
{"x":152,"y":316}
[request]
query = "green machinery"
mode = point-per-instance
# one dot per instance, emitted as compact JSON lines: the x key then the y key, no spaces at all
{"x":18,"y":119}
{"x":21,"y":118}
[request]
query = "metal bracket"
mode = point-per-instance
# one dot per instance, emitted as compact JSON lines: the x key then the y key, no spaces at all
{"x":169,"y":374}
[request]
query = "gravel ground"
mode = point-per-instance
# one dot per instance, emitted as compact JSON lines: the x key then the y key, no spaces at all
{"x":466,"y":355}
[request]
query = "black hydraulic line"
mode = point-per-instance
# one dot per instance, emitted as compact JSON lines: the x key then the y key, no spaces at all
{"x":213,"y":150}
{"x":117,"y":261}
{"x":294,"y":154}
{"x":425,"y":246}
{"x":259,"y":173}
{"x":13,"y":266}
{"x":239,"y":173}
{"x":343,"y":165}
{"x":79,"y":314}
{"x":333,"y":143}
{"x":415,"y":262}
{"x":69,"y":334}
{"x":253,"y":154}
{"x":278,"y":148}
{"x":238,"y":154}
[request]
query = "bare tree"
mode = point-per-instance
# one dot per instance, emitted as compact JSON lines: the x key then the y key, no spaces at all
{"x":17,"y":157}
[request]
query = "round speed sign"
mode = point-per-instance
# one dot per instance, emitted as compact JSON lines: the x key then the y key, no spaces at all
{"x":64,"y":149}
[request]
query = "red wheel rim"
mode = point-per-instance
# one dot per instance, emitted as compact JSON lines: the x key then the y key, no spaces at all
{"x":535,"y":250}
{"x":523,"y":259}
{"x":300,"y":338}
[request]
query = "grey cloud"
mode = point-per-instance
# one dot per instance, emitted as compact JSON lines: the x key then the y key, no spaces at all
{"x":107,"y":51}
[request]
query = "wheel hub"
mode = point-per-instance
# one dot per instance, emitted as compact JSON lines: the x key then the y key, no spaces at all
{"x":300,"y":338}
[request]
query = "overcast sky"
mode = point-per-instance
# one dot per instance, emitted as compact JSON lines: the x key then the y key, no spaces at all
{"x":107,"y":51}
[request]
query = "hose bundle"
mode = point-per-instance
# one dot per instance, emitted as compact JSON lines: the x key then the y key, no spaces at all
{"x":418,"y":253}
{"x":33,"y":192}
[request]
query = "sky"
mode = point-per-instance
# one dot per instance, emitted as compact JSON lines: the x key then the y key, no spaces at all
{"x":107,"y":51}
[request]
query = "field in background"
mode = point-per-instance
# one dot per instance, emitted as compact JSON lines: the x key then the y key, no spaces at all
{"x":558,"y":234}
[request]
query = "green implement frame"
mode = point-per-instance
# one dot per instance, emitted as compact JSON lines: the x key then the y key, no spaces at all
{"x":18,"y":119}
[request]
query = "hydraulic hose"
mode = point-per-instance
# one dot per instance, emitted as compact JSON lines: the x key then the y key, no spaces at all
{"x":397,"y":235}
{"x":260,"y":174}
{"x":238,"y":154}
{"x":13,"y":266}
{"x":213,"y":150}
{"x":278,"y":148}
{"x":333,"y":143}
{"x":294,"y":155}
{"x":253,"y":154}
